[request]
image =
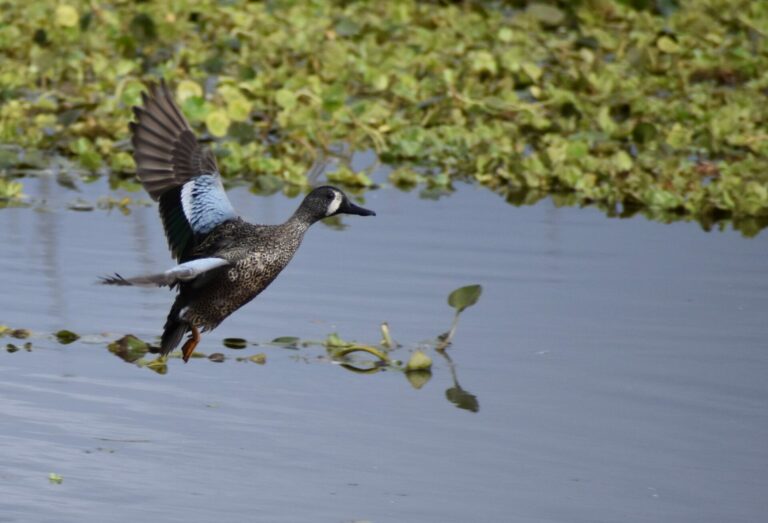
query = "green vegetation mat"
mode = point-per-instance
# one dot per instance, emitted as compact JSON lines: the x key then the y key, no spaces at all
{"x":660,"y":109}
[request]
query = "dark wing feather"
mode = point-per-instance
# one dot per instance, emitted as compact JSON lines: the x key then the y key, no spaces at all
{"x":165,"y":148}
{"x":168,"y":158}
{"x":177,"y":227}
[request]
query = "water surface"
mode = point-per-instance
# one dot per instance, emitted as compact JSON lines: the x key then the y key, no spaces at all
{"x":619,"y":367}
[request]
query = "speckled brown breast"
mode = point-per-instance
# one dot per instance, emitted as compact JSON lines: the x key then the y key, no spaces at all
{"x":257,"y":254}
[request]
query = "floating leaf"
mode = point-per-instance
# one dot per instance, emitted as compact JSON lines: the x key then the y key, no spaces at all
{"x":464,"y":297}
{"x":288,"y":341}
{"x":259,"y":358}
{"x":547,"y":14}
{"x":55,"y":478}
{"x":285,"y":99}
{"x":21,"y":334}
{"x":419,"y":361}
{"x":66,"y":16}
{"x":143,"y":27}
{"x":644,"y":132}
{"x":346,"y":176}
{"x":10,"y":190}
{"x":65,"y":336}
{"x":667,"y":44}
{"x":235,"y":343}
{"x":239,"y":109}
{"x":187,"y":89}
{"x":129,"y":348}
{"x":217,"y":123}
{"x":217,"y":357}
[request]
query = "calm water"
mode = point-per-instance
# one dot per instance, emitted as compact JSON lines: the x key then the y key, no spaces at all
{"x":619,"y":366}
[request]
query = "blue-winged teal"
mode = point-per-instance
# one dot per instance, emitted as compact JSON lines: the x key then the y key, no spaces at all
{"x":224,"y":261}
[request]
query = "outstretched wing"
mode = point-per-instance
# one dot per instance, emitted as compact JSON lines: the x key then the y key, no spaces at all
{"x":177,"y":171}
{"x":196,"y":272}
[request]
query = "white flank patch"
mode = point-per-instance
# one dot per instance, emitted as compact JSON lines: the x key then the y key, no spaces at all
{"x":192,"y":269}
{"x":335,"y":204}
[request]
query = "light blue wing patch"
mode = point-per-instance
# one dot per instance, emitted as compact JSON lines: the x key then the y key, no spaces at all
{"x":205,"y":203}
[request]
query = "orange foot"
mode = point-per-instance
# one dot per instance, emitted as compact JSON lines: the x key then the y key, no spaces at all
{"x":190,"y":344}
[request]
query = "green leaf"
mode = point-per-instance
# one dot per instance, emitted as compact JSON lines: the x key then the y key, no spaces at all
{"x":622,"y":161}
{"x":66,"y":16}
{"x":546,"y":14}
{"x":66,"y":337}
{"x":259,"y":358}
{"x":287,"y":340}
{"x":418,"y":361}
{"x":235,"y":343}
{"x":464,"y":297}
{"x":285,"y":99}
{"x":239,"y":108}
{"x":644,"y":132}
{"x":129,"y":348}
{"x":667,"y":44}
{"x":143,"y":28}
{"x":21,"y":334}
{"x":188,"y":89}
{"x":55,"y":478}
{"x":483,"y":61}
{"x":217,"y":123}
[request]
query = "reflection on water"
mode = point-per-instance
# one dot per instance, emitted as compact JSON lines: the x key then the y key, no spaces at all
{"x":456,"y":394}
{"x":145,"y":355}
{"x":621,"y":367}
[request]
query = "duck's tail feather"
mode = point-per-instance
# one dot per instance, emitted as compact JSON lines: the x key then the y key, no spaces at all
{"x":174,"y":328}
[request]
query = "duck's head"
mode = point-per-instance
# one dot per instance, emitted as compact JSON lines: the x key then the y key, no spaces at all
{"x":327,"y":201}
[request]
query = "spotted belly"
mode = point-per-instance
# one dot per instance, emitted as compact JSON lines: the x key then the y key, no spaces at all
{"x":235,"y":287}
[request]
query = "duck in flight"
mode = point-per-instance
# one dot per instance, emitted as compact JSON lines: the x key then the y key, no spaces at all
{"x":223,"y":261}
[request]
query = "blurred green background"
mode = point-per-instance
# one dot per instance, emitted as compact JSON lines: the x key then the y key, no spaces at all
{"x":659,"y":107}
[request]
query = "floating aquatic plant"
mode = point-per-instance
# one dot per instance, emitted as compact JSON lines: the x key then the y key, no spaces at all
{"x":417,"y":369}
{"x":649,"y":107}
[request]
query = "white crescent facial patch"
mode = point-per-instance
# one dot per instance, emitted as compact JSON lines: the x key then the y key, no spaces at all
{"x":335,"y":204}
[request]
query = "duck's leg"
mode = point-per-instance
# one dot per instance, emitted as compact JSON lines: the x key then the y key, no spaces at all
{"x":191,"y":343}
